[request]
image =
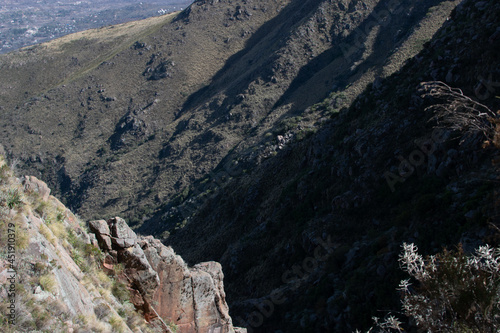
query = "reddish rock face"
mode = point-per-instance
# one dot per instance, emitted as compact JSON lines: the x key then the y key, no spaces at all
{"x":161,"y":283}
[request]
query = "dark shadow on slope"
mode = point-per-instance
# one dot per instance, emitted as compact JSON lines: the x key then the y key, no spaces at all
{"x":403,"y":17}
{"x":383,"y":46}
{"x":271,"y":36}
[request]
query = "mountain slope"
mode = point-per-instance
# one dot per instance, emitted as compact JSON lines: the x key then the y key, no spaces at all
{"x":320,"y":224}
{"x":228,"y":130}
{"x":179,"y":93}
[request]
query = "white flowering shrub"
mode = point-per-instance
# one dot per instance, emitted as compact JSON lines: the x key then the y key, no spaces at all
{"x":453,"y":292}
{"x":449,"y":292}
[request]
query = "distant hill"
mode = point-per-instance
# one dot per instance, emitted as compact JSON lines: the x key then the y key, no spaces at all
{"x":27,"y":22}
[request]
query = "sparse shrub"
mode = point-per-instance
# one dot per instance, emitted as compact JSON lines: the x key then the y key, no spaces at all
{"x":117,"y":323}
{"x":95,"y":325}
{"x":449,"y":292}
{"x":60,"y":216}
{"x":305,"y":133}
{"x":58,"y":230}
{"x":40,"y":209}
{"x":92,"y":251}
{"x":73,"y":239}
{"x":101,"y":311}
{"x":455,"y":292}
{"x":103,"y":279}
{"x":47,"y":234}
{"x":13,"y":199}
{"x":105,"y":293}
{"x":80,"y":260}
{"x":58,"y":309}
{"x":164,"y":235}
{"x":122,"y":312}
{"x":40,"y":268}
{"x":290,"y":123}
{"x":22,"y":238}
{"x":41,"y":317}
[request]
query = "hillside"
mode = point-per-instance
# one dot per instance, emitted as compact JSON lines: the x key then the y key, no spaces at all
{"x":413,"y":159}
{"x":181,"y":92}
{"x":298,"y":143}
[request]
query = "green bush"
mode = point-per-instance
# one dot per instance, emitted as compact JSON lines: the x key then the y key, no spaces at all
{"x":12,"y":199}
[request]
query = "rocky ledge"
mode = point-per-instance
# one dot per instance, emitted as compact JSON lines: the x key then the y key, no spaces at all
{"x":57,"y":276}
{"x":161,"y":283}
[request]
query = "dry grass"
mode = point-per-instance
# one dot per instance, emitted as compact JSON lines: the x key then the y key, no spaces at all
{"x":47,"y":233}
{"x":130,"y":30}
{"x":48,"y":283}
{"x":119,"y":36}
{"x":117,"y":323}
{"x":95,"y":325}
{"x":59,"y":230}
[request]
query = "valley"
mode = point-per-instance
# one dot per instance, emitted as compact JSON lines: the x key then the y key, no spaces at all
{"x":298,"y":143}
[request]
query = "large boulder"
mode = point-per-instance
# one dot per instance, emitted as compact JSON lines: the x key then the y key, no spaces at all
{"x":102,"y":233}
{"x":121,"y":235}
{"x":99,"y":227}
{"x":162,"y":285}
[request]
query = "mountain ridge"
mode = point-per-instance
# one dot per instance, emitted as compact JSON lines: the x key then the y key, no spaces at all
{"x":225,"y":110}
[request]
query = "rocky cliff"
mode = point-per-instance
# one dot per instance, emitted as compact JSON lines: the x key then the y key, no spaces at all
{"x":161,"y":284}
{"x":56,"y":275}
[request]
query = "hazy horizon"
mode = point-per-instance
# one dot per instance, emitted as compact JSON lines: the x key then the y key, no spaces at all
{"x":29,"y":22}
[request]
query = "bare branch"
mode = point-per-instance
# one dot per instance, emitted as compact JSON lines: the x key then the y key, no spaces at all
{"x":457,"y":111}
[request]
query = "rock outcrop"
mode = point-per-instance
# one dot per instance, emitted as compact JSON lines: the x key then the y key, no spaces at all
{"x":57,"y":278}
{"x":161,"y":283}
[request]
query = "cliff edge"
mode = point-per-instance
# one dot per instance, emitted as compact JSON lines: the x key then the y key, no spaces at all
{"x":57,"y":275}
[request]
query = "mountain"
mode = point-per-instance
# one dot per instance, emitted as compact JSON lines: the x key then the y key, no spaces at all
{"x":310,"y":237}
{"x":58,"y":275}
{"x":298,"y":143}
{"x":183,"y":92}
